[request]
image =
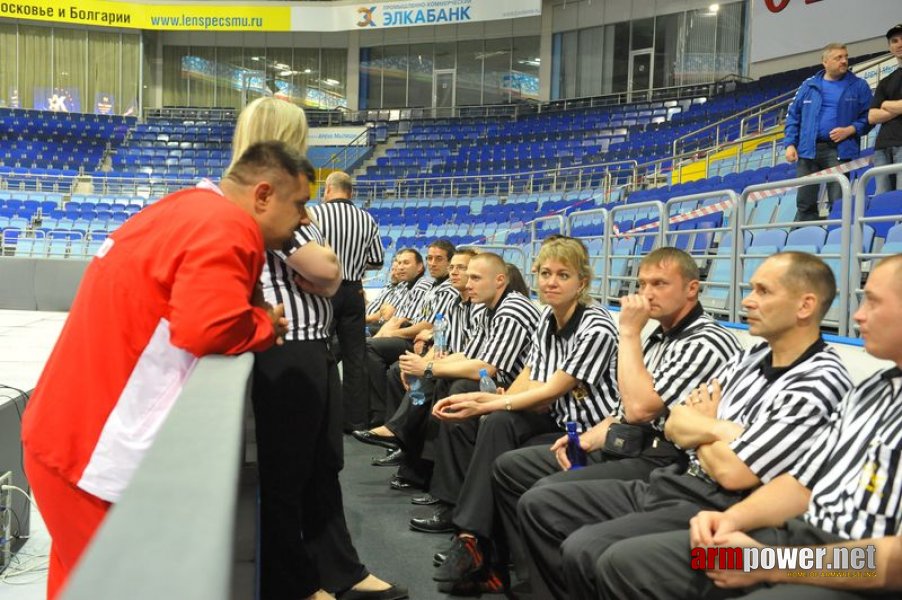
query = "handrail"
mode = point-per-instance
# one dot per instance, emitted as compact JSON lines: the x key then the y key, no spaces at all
{"x":716,"y":125}
{"x":666,"y":229}
{"x":859,"y":220}
{"x":845,"y":223}
{"x":184,"y":492}
{"x":344,"y":150}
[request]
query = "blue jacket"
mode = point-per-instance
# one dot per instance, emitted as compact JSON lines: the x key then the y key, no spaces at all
{"x":803,"y":117}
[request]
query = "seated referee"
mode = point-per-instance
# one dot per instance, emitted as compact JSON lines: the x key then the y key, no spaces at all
{"x":570,"y":375}
{"x":846,"y":492}
{"x":389,"y":295}
{"x":752,"y":424}
{"x":687,"y":348}
{"x":414,"y":315}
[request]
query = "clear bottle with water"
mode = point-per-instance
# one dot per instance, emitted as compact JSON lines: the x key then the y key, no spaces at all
{"x":575,"y":453}
{"x":440,"y":336}
{"x":485,"y":382}
{"x":415,"y":391}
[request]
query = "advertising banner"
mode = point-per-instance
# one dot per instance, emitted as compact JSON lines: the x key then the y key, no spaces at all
{"x":268,"y":16}
{"x":336,"y":136}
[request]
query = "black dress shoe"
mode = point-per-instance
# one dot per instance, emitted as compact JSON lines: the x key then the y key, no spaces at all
{"x":392,"y":459}
{"x":439,"y":522}
{"x":401,"y":484}
{"x":395,"y":592}
{"x":425,"y":500}
{"x":374,"y":439}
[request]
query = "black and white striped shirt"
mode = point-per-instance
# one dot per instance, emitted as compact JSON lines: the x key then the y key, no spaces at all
{"x":390,"y":294}
{"x":309,"y":316}
{"x":440,"y":300}
{"x":586,"y":349}
{"x":503,"y":334}
{"x":410,"y":306}
{"x":353,"y":235}
{"x":854,"y":467}
{"x":463,"y":319}
{"x":781,"y":409}
{"x":689,"y":354}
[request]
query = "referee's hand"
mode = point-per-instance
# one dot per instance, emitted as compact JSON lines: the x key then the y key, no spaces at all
{"x":279,"y":323}
{"x":634,"y":314}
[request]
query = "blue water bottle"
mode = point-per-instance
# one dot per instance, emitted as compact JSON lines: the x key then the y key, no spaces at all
{"x":440,"y":335}
{"x":415,"y":391}
{"x":575,"y":453}
{"x":485,"y":382}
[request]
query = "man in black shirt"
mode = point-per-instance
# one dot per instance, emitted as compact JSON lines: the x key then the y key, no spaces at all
{"x":886,"y":109}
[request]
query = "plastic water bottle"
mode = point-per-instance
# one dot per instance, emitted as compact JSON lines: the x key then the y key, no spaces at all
{"x":485,"y":382}
{"x":575,"y":453}
{"x":417,"y":397}
{"x":440,"y":335}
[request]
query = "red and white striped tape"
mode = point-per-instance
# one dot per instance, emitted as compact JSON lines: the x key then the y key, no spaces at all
{"x":753,"y":197}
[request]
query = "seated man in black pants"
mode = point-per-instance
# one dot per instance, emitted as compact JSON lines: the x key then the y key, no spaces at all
{"x":845,"y":492}
{"x":688,"y":348}
{"x":406,"y":427}
{"x":570,"y":376}
{"x":772,"y":400}
{"x":414,"y":315}
{"x":499,"y":341}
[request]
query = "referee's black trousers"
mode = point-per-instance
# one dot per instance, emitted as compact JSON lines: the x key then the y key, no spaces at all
{"x":415,"y":429}
{"x":623,"y":571}
{"x":463,"y":462}
{"x":517,"y":471}
{"x":304,"y":539}
{"x":568,"y":526}
{"x":381,"y":353}
{"x":349,"y":319}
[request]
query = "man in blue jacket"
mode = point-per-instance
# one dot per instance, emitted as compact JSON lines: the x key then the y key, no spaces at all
{"x":826,"y":119}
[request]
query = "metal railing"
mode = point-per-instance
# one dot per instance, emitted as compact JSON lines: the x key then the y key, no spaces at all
{"x":189,"y":113}
{"x":726,"y":126}
{"x":604,"y":177}
{"x":857,"y":240}
{"x":627,"y":262}
{"x":669,"y":232}
{"x":351,"y":153}
{"x":741,"y":276}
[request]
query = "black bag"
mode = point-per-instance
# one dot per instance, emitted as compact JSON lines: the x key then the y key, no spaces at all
{"x":625,"y":440}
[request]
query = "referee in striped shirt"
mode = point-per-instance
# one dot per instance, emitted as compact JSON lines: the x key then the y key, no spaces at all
{"x":299,"y":439}
{"x":847,"y":491}
{"x":500,"y":345}
{"x":354,"y":236}
{"x":687,"y":349}
{"x":774,"y":399}
{"x":388,"y":296}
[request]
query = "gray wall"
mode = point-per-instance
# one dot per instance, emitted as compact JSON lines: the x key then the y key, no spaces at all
{"x":39,"y":283}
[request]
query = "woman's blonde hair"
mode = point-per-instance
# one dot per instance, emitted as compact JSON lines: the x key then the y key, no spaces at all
{"x":269,"y":119}
{"x":572,"y":253}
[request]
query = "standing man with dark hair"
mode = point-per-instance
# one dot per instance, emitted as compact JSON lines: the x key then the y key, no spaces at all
{"x":354,"y":236}
{"x":824,"y":124}
{"x":886,"y":110}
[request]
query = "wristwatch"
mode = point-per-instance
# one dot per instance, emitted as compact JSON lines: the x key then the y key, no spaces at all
{"x":427,"y":372}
